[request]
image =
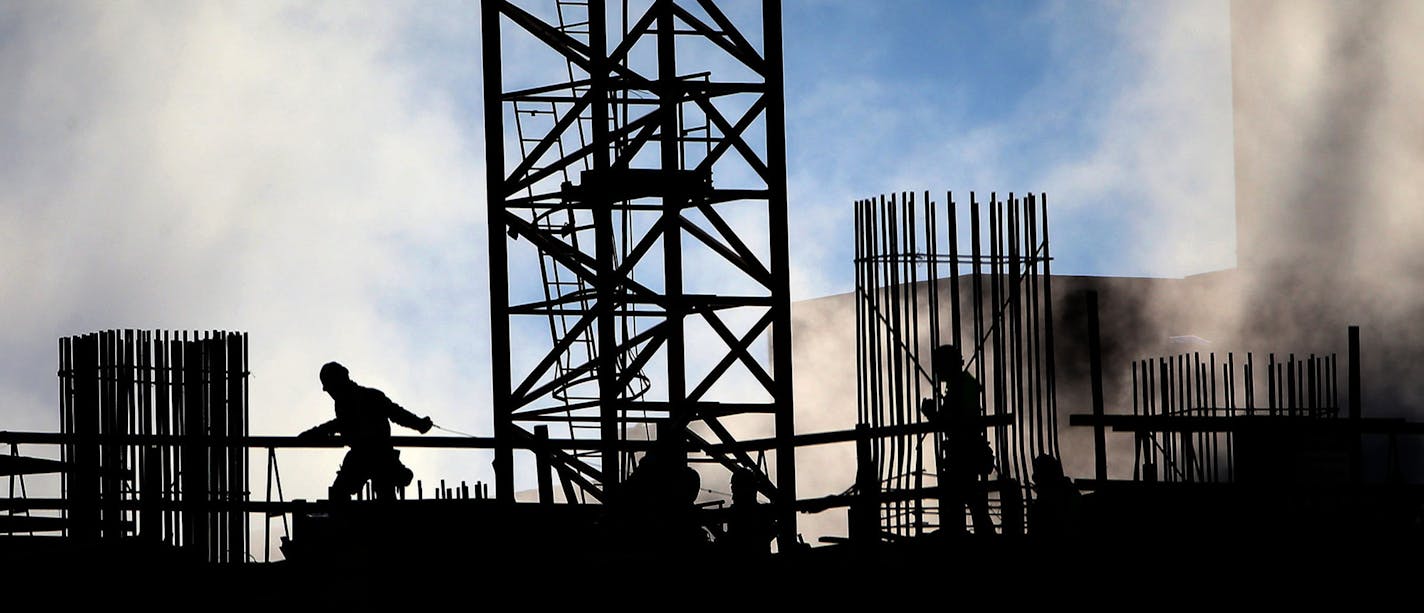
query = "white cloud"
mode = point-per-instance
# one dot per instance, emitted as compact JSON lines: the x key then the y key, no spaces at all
{"x":284,"y":169}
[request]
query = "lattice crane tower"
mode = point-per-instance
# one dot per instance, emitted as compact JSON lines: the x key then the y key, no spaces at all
{"x":638,"y":239}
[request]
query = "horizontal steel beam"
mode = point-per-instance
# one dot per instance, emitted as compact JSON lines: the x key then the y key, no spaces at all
{"x":843,"y":436}
{"x":1239,"y":423}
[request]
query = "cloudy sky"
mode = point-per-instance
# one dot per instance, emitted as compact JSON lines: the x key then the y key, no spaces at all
{"x":311,"y":173}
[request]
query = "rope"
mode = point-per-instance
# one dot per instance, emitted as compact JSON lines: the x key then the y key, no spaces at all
{"x":464,"y":434}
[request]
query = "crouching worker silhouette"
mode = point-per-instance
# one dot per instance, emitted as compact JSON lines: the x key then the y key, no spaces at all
{"x":363,"y":417}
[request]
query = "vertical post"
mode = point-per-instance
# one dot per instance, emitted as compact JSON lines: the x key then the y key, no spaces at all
{"x":541,"y":461}
{"x":1182,"y":387}
{"x":673,"y":198}
{"x":1136,"y":436}
{"x":235,"y":346}
{"x":1015,"y":365}
{"x":1036,"y":336}
{"x":954,"y":312}
{"x":781,"y":274}
{"x":219,"y":445}
{"x":66,"y":418}
{"x":150,"y":488}
{"x":267,"y":518}
{"x":1050,"y":360}
{"x":195,"y":467}
{"x":1356,"y":472}
{"x":1149,"y":401}
{"x":865,"y":514}
{"x":109,"y":451}
{"x":1292,"y":401}
{"x":913,"y":315}
{"x":1095,"y":364}
{"x":1165,"y":409}
{"x":1355,"y":413}
{"x":1250,"y":380}
{"x":605,"y":250}
{"x":498,"y":250}
{"x":889,"y":457}
{"x":132,"y":454}
{"x":84,"y":485}
{"x":163,"y":420}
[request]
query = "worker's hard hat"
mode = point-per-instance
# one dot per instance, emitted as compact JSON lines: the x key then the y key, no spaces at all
{"x":332,"y":372}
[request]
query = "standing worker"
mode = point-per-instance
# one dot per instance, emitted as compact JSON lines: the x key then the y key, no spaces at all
{"x":966,"y":455}
{"x":363,"y":417}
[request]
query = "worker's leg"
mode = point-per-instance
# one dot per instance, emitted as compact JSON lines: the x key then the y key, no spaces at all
{"x":392,"y":476}
{"x":979,"y":507}
{"x":1011,"y":506}
{"x":355,"y":470}
{"x":382,"y":488}
{"x":952,"y":501}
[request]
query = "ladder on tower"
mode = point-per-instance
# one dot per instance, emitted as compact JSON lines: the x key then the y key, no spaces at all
{"x":534,"y":120}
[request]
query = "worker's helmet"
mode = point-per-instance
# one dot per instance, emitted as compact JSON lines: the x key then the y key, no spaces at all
{"x":947,"y":360}
{"x":1047,"y":469}
{"x":333,"y":374}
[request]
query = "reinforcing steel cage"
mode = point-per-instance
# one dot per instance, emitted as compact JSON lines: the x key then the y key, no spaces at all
{"x":977,"y":276}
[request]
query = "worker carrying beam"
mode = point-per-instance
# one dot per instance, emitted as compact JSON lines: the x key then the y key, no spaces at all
{"x":363,"y":417}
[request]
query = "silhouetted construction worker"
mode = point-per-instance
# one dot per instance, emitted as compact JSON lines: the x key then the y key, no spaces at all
{"x":363,"y":417}
{"x":966,"y":455}
{"x":654,"y":510}
{"x":750,"y":525}
{"x":1053,"y":514}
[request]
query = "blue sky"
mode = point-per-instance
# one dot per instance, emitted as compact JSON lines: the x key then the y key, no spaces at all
{"x":1120,"y":112}
{"x":312,"y":173}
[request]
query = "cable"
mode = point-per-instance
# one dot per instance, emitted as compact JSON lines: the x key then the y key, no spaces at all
{"x":464,"y":434}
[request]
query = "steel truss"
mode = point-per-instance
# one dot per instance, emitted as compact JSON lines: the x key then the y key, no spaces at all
{"x":641,"y":173}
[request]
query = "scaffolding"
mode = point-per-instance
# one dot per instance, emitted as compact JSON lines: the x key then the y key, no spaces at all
{"x":1191,"y":385}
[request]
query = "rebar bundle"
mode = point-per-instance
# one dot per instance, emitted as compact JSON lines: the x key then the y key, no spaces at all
{"x":189,"y":392}
{"x":925,"y":279}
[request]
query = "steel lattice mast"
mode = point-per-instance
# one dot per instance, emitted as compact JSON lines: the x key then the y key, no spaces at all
{"x":637,"y":210}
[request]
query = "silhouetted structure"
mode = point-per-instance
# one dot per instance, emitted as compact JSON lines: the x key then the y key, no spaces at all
{"x":611,"y":196}
{"x":186,"y":485}
{"x":612,"y":181}
{"x":904,"y":250}
{"x":1216,"y":463}
{"x":654,"y":509}
{"x":1054,"y":513}
{"x":363,"y":421}
{"x":1212,"y":386}
{"x":965,"y":456}
{"x":750,"y":525}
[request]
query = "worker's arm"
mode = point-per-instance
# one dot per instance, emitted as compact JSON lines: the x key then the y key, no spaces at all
{"x":326,"y":429}
{"x":402,"y":417}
